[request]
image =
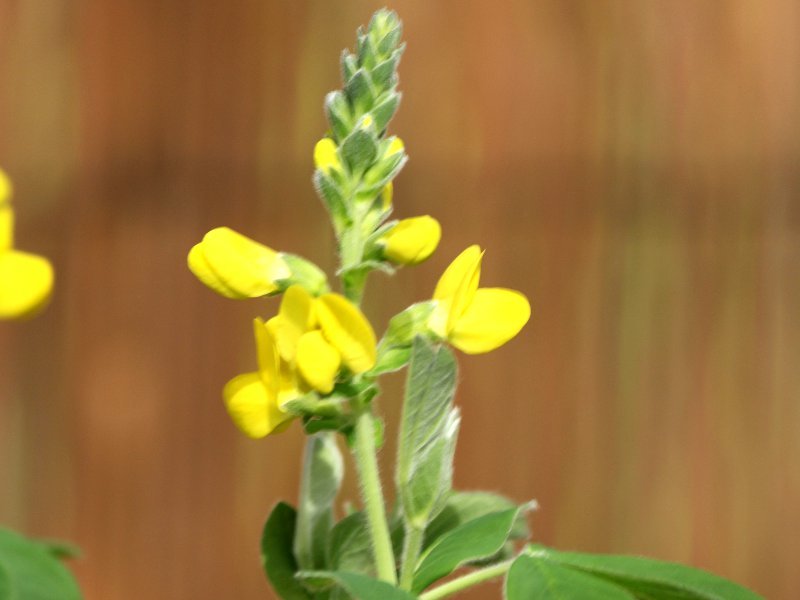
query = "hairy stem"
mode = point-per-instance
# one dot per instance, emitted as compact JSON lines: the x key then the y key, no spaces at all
{"x":467,"y":581}
{"x":372,"y":495}
{"x":411,"y":549}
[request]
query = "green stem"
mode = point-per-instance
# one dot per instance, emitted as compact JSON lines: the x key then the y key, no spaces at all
{"x":467,"y":581}
{"x":372,"y":495}
{"x":411,"y":549}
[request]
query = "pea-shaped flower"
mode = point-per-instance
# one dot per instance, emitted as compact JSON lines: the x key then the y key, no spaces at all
{"x":411,"y":241}
{"x":300,"y":350}
{"x":26,"y":280}
{"x":475,"y":320}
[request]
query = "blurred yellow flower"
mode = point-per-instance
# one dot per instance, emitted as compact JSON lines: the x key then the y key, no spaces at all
{"x":235,"y":266}
{"x":26,"y":280}
{"x":475,"y":320}
{"x":412,"y":241}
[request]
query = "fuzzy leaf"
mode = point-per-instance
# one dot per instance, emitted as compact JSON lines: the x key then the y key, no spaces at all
{"x":649,"y":578}
{"x":384,"y":110}
{"x":360,"y":93}
{"x":29,"y":571}
{"x":530,"y":578}
{"x":426,"y":430}
{"x":474,"y":540}
{"x":276,"y":553}
{"x":322,"y":476}
{"x":360,"y":587}
{"x":349,"y":546}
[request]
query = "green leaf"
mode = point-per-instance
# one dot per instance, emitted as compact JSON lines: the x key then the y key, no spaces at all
{"x":474,"y":540}
{"x":350,"y":546}
{"x":649,"y":578}
{"x":462,"y":507}
{"x":323,"y":470}
{"x":29,"y":571}
{"x":427,"y":432}
{"x":360,"y":587}
{"x":359,"y":150}
{"x":531,"y":578}
{"x":276,"y":553}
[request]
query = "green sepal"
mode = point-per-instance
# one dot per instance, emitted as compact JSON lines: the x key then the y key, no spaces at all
{"x":349,"y":65}
{"x":529,"y":578}
{"x":359,"y":150}
{"x":406,"y":325}
{"x":384,"y":110}
{"x":337,"y":110}
{"x":384,"y":74}
{"x":475,"y":540}
{"x":360,"y":92}
{"x":304,"y":273}
{"x":30,"y":570}
{"x":277,"y":558}
{"x":391,"y":360}
{"x":647,"y":577}
{"x":386,"y":168}
{"x":331,"y":194}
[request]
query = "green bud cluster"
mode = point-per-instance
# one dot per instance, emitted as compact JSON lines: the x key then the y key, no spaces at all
{"x":357,"y":163}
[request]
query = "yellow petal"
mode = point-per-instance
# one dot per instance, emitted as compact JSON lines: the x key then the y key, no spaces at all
{"x":318,"y":361}
{"x":458,"y":283}
{"x":348,"y":330}
{"x":6,"y":189}
{"x":253,"y":410}
{"x":395,"y":146}
{"x":26,"y":281}
{"x":202,"y":270}
{"x":238,"y":264}
{"x":268,"y":359}
{"x":294,"y":318}
{"x":6,"y":224}
{"x":494,"y":316}
{"x":413,"y":240}
{"x":325,"y":156}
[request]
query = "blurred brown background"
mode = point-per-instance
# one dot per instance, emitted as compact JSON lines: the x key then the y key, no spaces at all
{"x":631,"y":166}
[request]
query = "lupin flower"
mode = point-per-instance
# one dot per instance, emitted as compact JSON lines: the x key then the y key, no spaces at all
{"x":300,"y":350}
{"x":411,"y":241}
{"x":26,"y":280}
{"x":238,"y":267}
{"x":475,"y":320}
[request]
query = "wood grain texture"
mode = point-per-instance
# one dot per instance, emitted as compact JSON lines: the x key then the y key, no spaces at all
{"x":632,"y":167}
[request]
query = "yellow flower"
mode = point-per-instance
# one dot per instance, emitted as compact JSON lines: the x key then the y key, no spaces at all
{"x":237,"y":267}
{"x":326,"y":157}
{"x":475,"y":320}
{"x":300,"y":349}
{"x":412,"y":241}
{"x":255,"y":400}
{"x":26,"y":280}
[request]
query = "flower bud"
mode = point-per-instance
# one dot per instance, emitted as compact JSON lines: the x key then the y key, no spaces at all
{"x":412,"y":241}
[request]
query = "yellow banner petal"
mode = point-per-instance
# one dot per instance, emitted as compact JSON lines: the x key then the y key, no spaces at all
{"x":318,"y":361}
{"x":202,"y":270}
{"x":243,"y":265}
{"x":26,"y":281}
{"x":494,"y":316}
{"x":252,"y":409}
{"x":325,"y":156}
{"x":458,"y":283}
{"x":348,"y":330}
